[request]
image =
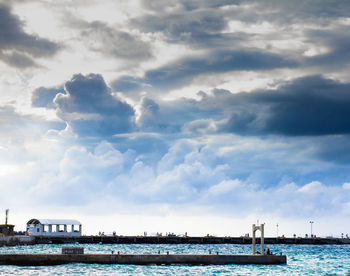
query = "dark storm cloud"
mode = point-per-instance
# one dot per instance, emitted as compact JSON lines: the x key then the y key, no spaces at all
{"x":337,"y":43}
{"x":183,"y":114}
{"x":17,"y":47}
{"x":286,"y":14}
{"x":184,"y":26}
{"x":307,"y":11}
{"x":196,"y":24}
{"x":100,"y":37}
{"x":166,"y":117}
{"x":18,"y":60}
{"x":306,"y":106}
{"x":183,"y":71}
{"x":43,"y":96}
{"x":90,"y":108}
{"x":203,"y":24}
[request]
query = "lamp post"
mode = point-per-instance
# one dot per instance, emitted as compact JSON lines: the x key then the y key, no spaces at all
{"x":277,"y":229}
{"x":311,"y":222}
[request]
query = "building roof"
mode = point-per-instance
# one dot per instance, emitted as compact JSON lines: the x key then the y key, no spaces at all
{"x":54,"y":221}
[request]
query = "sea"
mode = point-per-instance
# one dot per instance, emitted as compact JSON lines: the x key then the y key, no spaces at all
{"x":301,"y":260}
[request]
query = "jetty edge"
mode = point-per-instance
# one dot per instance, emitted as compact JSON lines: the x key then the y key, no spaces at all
{"x":139,"y":259}
{"x":30,"y":240}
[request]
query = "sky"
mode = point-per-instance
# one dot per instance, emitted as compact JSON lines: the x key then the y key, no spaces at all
{"x":184,"y":116}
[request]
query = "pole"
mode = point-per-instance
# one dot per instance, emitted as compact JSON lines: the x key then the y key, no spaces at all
{"x":262,"y":238}
{"x":311,"y":222}
{"x":7,"y":214}
{"x":277,"y":229}
{"x":253,"y":239}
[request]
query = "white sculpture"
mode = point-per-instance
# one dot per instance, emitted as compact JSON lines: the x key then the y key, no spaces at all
{"x":261,"y":228}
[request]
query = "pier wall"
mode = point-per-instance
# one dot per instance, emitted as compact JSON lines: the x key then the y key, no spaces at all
{"x":184,"y":240}
{"x":138,"y":259}
{"x":16,"y":240}
{"x":24,"y":240}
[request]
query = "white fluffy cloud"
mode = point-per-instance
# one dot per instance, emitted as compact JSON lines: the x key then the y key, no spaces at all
{"x":84,"y":178}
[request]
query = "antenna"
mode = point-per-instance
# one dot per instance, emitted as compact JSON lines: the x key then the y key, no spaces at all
{"x":7,"y":216}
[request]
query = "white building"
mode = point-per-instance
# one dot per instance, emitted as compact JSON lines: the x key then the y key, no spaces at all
{"x":54,"y":227}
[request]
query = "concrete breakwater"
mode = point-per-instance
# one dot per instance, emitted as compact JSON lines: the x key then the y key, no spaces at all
{"x":27,"y":240}
{"x":183,"y":240}
{"x":16,"y":240}
{"x":138,"y":259}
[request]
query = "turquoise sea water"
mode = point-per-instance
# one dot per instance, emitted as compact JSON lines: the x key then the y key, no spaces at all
{"x":302,"y":260}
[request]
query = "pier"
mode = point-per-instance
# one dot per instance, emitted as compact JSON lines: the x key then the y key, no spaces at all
{"x":29,"y":240}
{"x":139,"y":259}
{"x":184,"y":240}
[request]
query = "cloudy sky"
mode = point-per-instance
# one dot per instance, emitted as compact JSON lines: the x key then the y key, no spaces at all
{"x":194,"y":116}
